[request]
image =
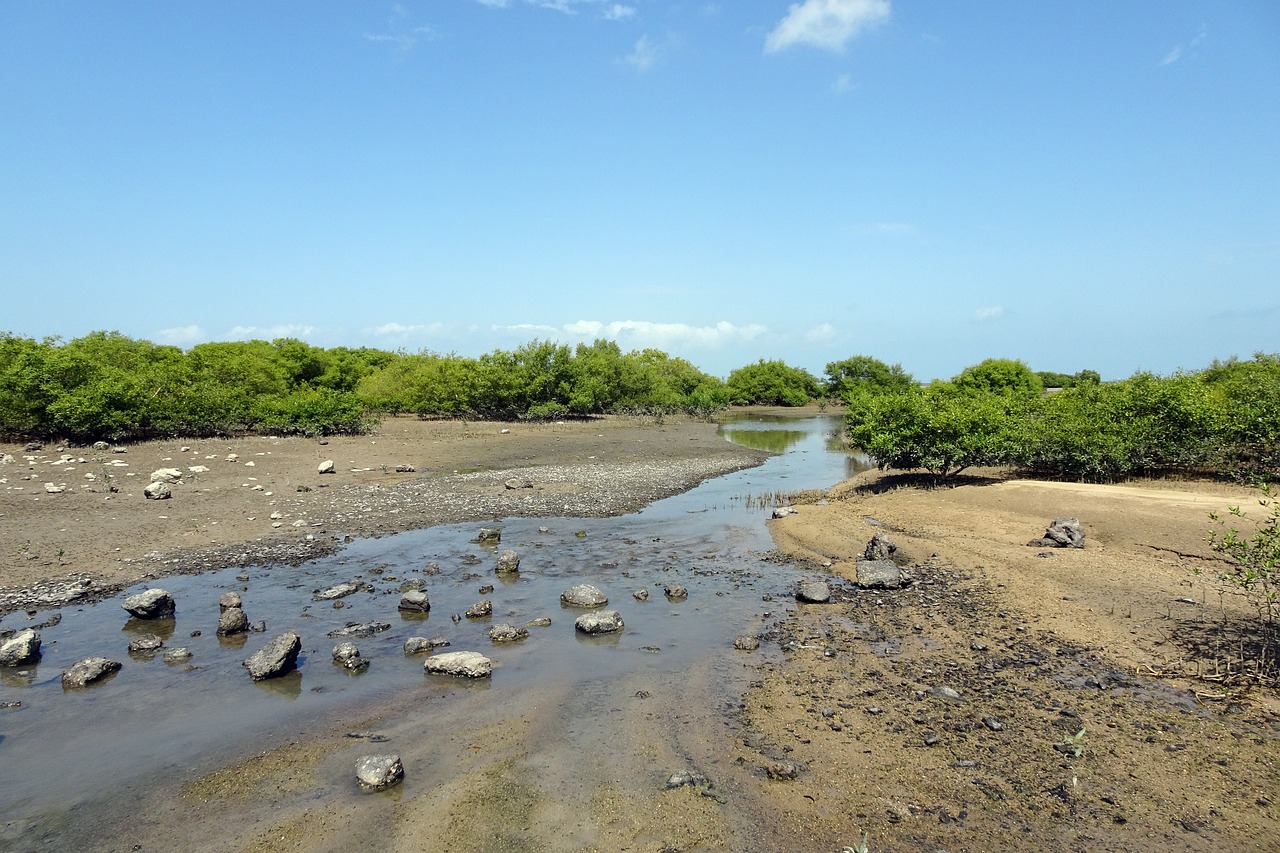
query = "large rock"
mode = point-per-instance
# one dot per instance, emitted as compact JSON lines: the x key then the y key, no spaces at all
{"x":150,"y":604}
{"x":505,"y":633}
{"x":278,"y":657}
{"x":600,"y":622}
{"x":414,"y":601}
{"x":22,"y":648}
{"x":508,"y":562}
{"x":1063,"y":533}
{"x":341,"y":590}
{"x":157,"y":491}
{"x":880,"y":547}
{"x":232,"y":621}
{"x":461,"y":664}
{"x":325,"y":467}
{"x":88,"y":671}
{"x":379,"y":772}
{"x":583,"y":595}
{"x":813,"y":592}
{"x":881,"y":574}
{"x":166,"y":475}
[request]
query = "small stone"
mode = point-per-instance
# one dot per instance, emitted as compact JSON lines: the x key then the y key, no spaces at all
{"x":157,"y":492}
{"x":600,"y":622}
{"x":583,"y":595}
{"x":228,"y":600}
{"x":675,"y":592}
{"x":813,"y":592}
{"x":145,"y":644}
{"x":326,"y":467}
{"x":149,"y":604}
{"x":947,"y":694}
{"x":746,"y":643}
{"x":232,"y":621}
{"x":461,"y":664}
{"x":379,"y":772}
{"x":489,"y":534}
{"x":640,"y":595}
{"x":993,"y":724}
{"x":89,"y":671}
{"x":480,"y":609}
{"x":414,"y":601}
{"x":508,"y":562}
{"x":504,"y":633}
{"x":177,"y":654}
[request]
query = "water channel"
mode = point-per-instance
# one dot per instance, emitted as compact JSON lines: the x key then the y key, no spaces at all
{"x":68,"y":751}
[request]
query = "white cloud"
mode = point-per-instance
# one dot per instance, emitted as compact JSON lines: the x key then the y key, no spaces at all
{"x":1174,"y":54}
{"x":269,"y":333}
{"x":643,"y":55}
{"x":843,"y":83}
{"x":822,"y":332}
{"x":884,"y":229}
{"x":825,"y":24}
{"x":639,"y":334}
{"x":181,"y":335}
{"x":618,"y":12}
{"x":411,"y":329}
{"x":992,"y":312}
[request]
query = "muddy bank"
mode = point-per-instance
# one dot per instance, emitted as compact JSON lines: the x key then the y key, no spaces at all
{"x":76,"y":525}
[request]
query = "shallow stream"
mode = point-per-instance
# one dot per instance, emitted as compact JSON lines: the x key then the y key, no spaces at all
{"x":61,"y":750}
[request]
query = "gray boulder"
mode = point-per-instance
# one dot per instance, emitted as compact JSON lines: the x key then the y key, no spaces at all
{"x":232,"y":621}
{"x":166,"y":475}
{"x":881,"y":574}
{"x":600,"y":622}
{"x":278,"y":657}
{"x":1063,"y":533}
{"x":508,"y":562}
{"x":813,"y":592}
{"x":349,"y":657}
{"x":379,"y":772}
{"x":89,"y":671}
{"x":360,"y":629}
{"x":675,"y":592}
{"x":746,"y":643}
{"x":880,"y":547}
{"x":489,"y":534}
{"x":414,"y":601}
{"x":157,"y":491}
{"x":460,"y":664}
{"x":341,"y":590}
{"x":150,"y":604}
{"x":583,"y":595}
{"x":228,"y":600}
{"x":417,"y":645}
{"x":504,"y":633}
{"x":145,"y":644}
{"x":480,"y":609}
{"x":22,"y":648}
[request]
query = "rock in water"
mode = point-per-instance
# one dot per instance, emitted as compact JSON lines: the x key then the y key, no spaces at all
{"x":341,"y":590}
{"x":228,"y":600}
{"x":145,"y":644}
{"x":462,"y":664}
{"x":149,"y":604}
{"x":508,"y":562}
{"x":278,"y":657}
{"x":489,"y":534}
{"x":600,"y":622}
{"x":232,"y":621}
{"x":813,"y":592}
{"x":480,"y":609}
{"x":348,"y":656}
{"x":504,"y":633}
{"x":22,"y":648}
{"x":675,"y":592}
{"x":88,"y":671}
{"x":414,"y":601}
{"x":379,"y":772}
{"x":583,"y":595}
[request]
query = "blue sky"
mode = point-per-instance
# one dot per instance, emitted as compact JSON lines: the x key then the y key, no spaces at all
{"x":1076,"y":184}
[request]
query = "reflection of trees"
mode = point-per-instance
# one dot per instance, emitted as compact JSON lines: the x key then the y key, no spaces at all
{"x":772,"y":440}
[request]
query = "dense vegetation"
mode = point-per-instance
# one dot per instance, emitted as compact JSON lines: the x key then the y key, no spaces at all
{"x":108,"y":386}
{"x":1224,"y":419}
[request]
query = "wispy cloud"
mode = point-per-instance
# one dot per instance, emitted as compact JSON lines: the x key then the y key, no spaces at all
{"x":991,"y":312}
{"x":643,"y":55}
{"x":1176,"y":52}
{"x":826,"y":24}
{"x":642,"y":334}
{"x":182,"y":335}
{"x":283,"y":330}
{"x":884,"y":229}
{"x":843,"y":83}
{"x":408,"y":330}
{"x":618,"y":12}
{"x":821,"y":332}
{"x":569,"y":7}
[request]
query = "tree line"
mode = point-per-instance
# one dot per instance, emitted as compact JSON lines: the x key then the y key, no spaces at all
{"x":106,"y":385}
{"x":1222,"y":420}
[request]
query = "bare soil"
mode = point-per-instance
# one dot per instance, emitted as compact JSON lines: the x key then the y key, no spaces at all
{"x":1117,"y":653}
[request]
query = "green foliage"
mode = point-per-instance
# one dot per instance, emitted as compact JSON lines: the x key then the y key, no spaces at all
{"x":312,"y":411}
{"x":864,"y":373}
{"x":1254,"y":571}
{"x":943,"y":428}
{"x":772,"y":383}
{"x":1000,"y":375}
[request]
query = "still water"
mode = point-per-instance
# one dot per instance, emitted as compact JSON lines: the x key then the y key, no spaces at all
{"x":63,"y":748}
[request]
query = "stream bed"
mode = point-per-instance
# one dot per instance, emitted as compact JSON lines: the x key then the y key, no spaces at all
{"x":82,"y":752}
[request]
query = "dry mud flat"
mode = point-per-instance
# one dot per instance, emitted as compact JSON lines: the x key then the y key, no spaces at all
{"x":1075,"y":728}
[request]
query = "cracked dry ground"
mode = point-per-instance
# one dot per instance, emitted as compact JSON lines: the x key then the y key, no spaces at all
{"x":1164,"y":763}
